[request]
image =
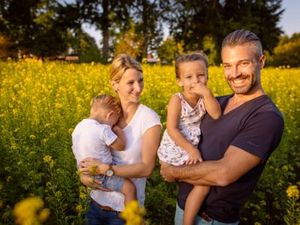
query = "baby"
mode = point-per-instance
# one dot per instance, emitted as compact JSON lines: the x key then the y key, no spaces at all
{"x":94,"y":136}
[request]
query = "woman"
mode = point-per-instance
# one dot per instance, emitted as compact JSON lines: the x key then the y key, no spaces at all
{"x":141,"y":127}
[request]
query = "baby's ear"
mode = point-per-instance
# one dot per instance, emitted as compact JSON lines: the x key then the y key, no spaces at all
{"x":109,"y":114}
{"x":114,"y":85}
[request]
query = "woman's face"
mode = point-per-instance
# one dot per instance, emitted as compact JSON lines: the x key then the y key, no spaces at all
{"x":130,"y":86}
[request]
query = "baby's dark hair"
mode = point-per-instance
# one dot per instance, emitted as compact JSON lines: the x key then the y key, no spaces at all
{"x":107,"y":102}
{"x":191,"y":57}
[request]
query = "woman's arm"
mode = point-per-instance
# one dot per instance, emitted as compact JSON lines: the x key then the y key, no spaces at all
{"x":150,"y":142}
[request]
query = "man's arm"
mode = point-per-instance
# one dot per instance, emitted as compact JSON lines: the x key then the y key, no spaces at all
{"x":235,"y":163}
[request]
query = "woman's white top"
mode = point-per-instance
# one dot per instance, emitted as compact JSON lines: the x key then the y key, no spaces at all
{"x":143,"y":119}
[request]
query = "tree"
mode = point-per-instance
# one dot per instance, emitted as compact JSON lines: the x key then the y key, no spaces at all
{"x":108,"y":16}
{"x":169,"y":51}
{"x":146,"y":15}
{"x":6,"y":48}
{"x":260,"y":16}
{"x":129,"y":42}
{"x":287,"y":53}
{"x":86,"y":48}
{"x":191,"y":21}
{"x":33,"y":26}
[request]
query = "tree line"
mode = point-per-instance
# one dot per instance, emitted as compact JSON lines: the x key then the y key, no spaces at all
{"x":47,"y":28}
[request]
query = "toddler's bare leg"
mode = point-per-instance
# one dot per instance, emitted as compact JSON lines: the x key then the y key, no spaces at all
{"x":128,"y":189}
{"x":193,"y":203}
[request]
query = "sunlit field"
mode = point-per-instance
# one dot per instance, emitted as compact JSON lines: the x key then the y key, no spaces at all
{"x":41,"y":102}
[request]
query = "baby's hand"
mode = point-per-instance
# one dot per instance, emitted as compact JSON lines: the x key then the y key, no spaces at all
{"x":116,"y":129}
{"x":194,"y":158}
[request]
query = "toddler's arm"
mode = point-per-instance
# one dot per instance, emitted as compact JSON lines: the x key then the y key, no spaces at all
{"x":212,"y":106}
{"x":119,"y":143}
{"x":173,"y":116}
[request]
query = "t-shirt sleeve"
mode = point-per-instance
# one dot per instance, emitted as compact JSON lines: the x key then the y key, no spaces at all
{"x":109,"y":136}
{"x":150,"y":120}
{"x":260,"y":134}
{"x":85,"y":145}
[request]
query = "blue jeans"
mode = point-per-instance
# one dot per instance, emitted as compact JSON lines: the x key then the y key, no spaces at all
{"x":97,"y":216}
{"x":198,"y":220}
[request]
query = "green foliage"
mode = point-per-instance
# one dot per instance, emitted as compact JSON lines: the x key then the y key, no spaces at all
{"x":6,"y":48}
{"x":191,"y":21}
{"x":287,"y":53}
{"x":129,"y":42}
{"x":87,"y":48}
{"x":209,"y":48}
{"x":169,"y":51}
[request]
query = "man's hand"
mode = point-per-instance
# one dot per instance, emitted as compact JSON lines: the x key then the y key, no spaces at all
{"x":166,"y":172}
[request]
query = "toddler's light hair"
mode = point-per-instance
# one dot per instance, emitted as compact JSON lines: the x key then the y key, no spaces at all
{"x":191,"y":57}
{"x":106,"y":102}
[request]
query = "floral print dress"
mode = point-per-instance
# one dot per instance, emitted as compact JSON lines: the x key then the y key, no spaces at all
{"x":189,"y":125}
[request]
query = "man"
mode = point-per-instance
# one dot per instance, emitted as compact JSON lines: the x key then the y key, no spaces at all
{"x":237,"y":145}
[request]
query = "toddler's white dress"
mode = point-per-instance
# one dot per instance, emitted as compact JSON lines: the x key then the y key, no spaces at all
{"x":189,"y":126}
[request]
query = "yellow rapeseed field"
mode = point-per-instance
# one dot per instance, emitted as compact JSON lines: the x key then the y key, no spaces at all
{"x":41,"y":102}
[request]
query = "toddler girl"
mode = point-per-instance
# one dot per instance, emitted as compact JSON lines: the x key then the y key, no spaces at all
{"x":185,"y":112}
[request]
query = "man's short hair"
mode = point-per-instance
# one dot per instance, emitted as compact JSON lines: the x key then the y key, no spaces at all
{"x":241,"y":37}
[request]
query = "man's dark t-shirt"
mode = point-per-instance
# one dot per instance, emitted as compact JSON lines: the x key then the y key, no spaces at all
{"x":255,"y":127}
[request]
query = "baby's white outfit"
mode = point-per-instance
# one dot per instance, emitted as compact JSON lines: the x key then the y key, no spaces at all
{"x":189,"y":126}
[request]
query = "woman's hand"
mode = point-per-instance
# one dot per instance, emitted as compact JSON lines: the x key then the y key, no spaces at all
{"x":91,"y":166}
{"x":92,"y":183}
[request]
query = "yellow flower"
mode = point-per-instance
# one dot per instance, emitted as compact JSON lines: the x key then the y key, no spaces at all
{"x":292,"y":192}
{"x":133,"y":213}
{"x":47,"y":159}
{"x":93,"y":169}
{"x":30,"y":211}
{"x":32,"y":137}
{"x":79,"y":208}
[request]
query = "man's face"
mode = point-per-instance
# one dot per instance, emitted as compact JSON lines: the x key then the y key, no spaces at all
{"x":242,"y":68}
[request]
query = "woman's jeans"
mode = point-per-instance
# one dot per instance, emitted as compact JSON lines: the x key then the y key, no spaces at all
{"x":98,"y":216}
{"x":198,"y":219}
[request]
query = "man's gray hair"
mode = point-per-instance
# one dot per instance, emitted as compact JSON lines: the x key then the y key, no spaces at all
{"x":241,"y":37}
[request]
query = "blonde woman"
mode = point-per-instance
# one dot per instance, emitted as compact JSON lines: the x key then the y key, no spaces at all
{"x":142,"y":127}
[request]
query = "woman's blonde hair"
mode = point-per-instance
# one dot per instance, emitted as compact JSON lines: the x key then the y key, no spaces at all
{"x":120,"y":64}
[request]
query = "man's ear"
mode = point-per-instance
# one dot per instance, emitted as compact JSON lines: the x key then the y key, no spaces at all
{"x":115,"y":85}
{"x":262,"y":61}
